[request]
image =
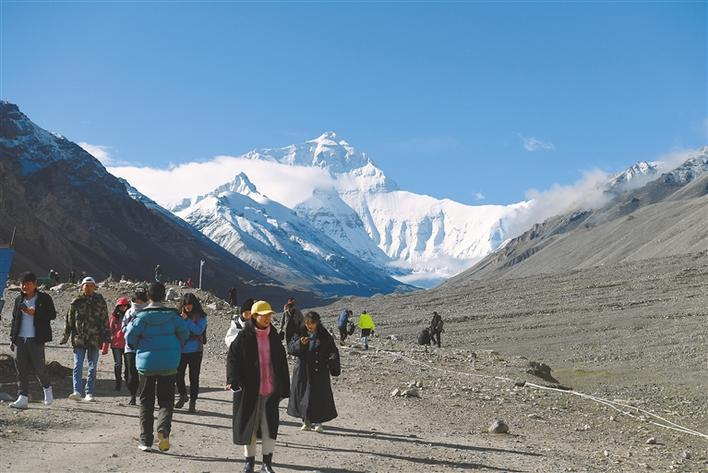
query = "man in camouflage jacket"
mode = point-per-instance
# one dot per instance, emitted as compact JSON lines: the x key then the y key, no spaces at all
{"x":87,"y":325}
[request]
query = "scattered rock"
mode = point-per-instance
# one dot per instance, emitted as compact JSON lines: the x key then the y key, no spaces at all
{"x":61,"y":287}
{"x":395,"y":392}
{"x":498,"y":426}
{"x":413,"y":392}
{"x":686,"y":455}
{"x":534,"y":416}
{"x":542,"y":371}
{"x":651,"y":441}
{"x":520,"y":383}
{"x":172,"y":295}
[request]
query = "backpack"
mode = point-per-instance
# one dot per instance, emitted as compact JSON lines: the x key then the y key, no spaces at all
{"x":424,"y":337}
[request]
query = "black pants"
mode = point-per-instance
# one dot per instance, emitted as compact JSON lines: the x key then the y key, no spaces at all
{"x":118,"y":365}
{"x":30,"y":357}
{"x":435,"y":338}
{"x":343,"y":333}
{"x":194,"y":360}
{"x":132,"y":379}
{"x":164,"y":388}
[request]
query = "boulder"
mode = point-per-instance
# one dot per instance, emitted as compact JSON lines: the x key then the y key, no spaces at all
{"x":542,"y":371}
{"x":498,"y":426}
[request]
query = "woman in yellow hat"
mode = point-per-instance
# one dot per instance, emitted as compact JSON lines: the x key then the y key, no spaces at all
{"x":257,"y":372}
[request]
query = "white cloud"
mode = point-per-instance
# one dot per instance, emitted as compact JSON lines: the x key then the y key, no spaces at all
{"x":586,"y":193}
{"x":534,"y":144}
{"x":286,"y":184}
{"x":99,"y":152}
{"x":479,"y":196}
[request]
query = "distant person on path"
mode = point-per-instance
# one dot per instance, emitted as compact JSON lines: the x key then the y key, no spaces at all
{"x":189,"y":283}
{"x":192,"y":313}
{"x":72,"y":276}
{"x":87,"y":326}
{"x":343,"y":322}
{"x":238,"y":322}
{"x":311,"y":396}
{"x":291,"y":321}
{"x":158,"y":273}
{"x":30,"y":329}
{"x":115,"y":324}
{"x":140,"y":300}
{"x":157,"y":333}
{"x":436,"y":328}
{"x":366,"y":325}
{"x":257,"y":372}
{"x":233,"y":297}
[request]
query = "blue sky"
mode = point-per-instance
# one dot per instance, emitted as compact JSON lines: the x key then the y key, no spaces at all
{"x":446,"y":98}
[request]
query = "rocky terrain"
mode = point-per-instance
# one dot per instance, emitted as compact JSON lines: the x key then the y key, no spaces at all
{"x":633,"y":336}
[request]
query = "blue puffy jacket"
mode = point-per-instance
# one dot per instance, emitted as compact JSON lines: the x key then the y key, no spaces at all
{"x":157,"y":334}
{"x":195,"y":342}
{"x":343,"y":319}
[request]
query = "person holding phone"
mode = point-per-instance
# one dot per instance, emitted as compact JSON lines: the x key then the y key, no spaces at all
{"x":29,"y":331}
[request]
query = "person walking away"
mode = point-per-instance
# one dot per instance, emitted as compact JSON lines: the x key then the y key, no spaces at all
{"x":291,"y":321}
{"x":233,"y":297}
{"x":117,"y":345}
{"x":366,"y":325}
{"x":132,"y":380}
{"x":436,"y":328}
{"x":87,"y":326}
{"x":192,"y":313}
{"x":238,"y":322}
{"x":158,"y":273}
{"x":157,"y":334}
{"x":72,"y":276}
{"x":257,"y":372}
{"x":343,"y":324}
{"x":311,"y":397}
{"x":30,"y":329}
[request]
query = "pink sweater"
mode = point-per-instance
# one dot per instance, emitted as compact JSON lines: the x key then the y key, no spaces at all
{"x":262,"y":337}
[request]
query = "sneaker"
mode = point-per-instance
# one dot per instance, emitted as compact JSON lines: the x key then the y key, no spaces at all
{"x":75,"y":396}
{"x":318,"y":429}
{"x":48,"y":396}
{"x":144,"y":448}
{"x":132,"y":401}
{"x":89,"y":398}
{"x":306,"y":427}
{"x":164,"y":442}
{"x":21,"y":402}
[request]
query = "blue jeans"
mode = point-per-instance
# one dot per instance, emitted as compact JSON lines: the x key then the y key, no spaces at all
{"x":92,"y":358}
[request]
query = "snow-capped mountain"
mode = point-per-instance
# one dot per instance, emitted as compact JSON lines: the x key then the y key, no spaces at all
{"x":278,"y":242}
{"x":634,"y":176}
{"x":422,"y":240}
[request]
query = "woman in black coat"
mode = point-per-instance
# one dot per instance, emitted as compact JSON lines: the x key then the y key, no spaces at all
{"x":258,"y":388}
{"x":311,"y":391}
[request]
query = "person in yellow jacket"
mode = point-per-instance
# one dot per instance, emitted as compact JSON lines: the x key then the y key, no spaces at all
{"x":366,"y":324}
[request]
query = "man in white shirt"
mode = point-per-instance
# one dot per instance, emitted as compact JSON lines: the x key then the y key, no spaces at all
{"x":29,"y":331}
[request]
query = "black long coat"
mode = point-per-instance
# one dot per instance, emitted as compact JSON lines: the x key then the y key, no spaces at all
{"x":311,"y":391}
{"x":244,"y":376}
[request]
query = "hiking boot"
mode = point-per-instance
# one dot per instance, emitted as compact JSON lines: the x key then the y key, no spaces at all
{"x":250,"y":465}
{"x":192,"y":407}
{"x":21,"y":403}
{"x":75,"y":396}
{"x":267,"y":464}
{"x":48,"y":395}
{"x":180,"y":403}
{"x":132,"y":401}
{"x":163,"y":442}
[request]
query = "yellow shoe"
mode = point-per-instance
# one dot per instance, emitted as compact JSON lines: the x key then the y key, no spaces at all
{"x":163,"y":442}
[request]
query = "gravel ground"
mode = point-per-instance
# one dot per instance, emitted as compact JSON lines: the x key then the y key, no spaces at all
{"x":635,"y":334}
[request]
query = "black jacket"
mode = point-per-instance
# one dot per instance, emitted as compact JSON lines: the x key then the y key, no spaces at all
{"x":311,"y":391}
{"x":244,"y":376}
{"x":44,"y":314}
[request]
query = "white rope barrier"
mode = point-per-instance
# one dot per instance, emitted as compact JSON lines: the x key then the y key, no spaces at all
{"x":667,"y":424}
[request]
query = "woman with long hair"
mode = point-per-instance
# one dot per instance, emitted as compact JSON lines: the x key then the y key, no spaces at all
{"x":317,"y":355}
{"x":192,"y":313}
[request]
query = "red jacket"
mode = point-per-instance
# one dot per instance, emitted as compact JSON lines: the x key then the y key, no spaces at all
{"x":117,"y":337}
